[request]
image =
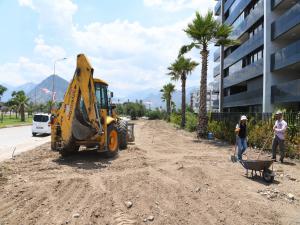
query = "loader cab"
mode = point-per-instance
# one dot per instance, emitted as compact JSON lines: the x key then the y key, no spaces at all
{"x":101,"y":93}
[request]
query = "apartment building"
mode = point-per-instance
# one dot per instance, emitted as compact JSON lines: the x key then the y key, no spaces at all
{"x":211,"y":99}
{"x":262,"y":73}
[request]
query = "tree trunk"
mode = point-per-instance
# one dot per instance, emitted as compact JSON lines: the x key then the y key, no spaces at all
{"x":202,"y":117}
{"x":22,"y":112}
{"x":168,"y":101}
{"x":183,"y":104}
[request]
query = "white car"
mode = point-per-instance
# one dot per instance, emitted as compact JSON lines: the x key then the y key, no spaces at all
{"x":41,"y":124}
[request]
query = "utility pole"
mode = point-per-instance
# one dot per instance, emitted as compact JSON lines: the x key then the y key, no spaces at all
{"x":53,"y":79}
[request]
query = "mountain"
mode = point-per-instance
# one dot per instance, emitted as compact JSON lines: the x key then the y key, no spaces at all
{"x":42,"y":92}
{"x":152,"y":97}
{"x":25,"y":87}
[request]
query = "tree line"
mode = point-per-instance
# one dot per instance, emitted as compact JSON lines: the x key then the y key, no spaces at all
{"x":19,"y":104}
{"x":203,"y":30}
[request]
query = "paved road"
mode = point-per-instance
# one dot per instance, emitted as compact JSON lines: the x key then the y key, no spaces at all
{"x":19,"y":137}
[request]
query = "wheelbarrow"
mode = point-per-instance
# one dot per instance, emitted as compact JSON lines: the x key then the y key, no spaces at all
{"x":260,"y":166}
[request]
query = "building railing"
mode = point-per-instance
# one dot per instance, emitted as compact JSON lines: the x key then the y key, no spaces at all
{"x":252,"y":18}
{"x":237,"y":11}
{"x":216,"y":70}
{"x":287,"y":21}
{"x":275,"y":3}
{"x":286,"y":92}
{"x":250,"y":45}
{"x":216,"y":54}
{"x":249,"y":72}
{"x":246,"y":98}
{"x":286,"y":56}
{"x":218,"y":8}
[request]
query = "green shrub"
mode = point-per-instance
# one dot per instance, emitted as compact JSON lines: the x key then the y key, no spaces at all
{"x":156,"y":115}
{"x":191,"y":122}
{"x":175,"y":118}
{"x":259,"y":134}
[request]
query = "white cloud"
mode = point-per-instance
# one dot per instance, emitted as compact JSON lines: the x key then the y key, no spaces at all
{"x":128,"y":55}
{"x":22,"y":71}
{"x":57,"y":14}
{"x":47,"y":51}
{"x":178,"y":5}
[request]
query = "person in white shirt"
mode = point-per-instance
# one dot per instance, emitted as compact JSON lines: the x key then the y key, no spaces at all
{"x":279,"y":131}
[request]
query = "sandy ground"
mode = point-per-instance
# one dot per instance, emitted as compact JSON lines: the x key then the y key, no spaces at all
{"x":167,"y":175}
{"x":17,"y":140}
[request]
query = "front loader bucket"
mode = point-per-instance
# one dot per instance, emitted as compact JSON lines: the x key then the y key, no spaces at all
{"x":130,"y":132}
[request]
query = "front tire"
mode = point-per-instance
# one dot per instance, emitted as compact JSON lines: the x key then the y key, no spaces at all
{"x":112,"y":141}
{"x":33,"y":134}
{"x":122,"y":134}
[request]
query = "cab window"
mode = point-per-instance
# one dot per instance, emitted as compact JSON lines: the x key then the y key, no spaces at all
{"x":101,"y":95}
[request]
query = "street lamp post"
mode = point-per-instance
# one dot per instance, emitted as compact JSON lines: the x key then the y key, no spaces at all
{"x":55,"y":61}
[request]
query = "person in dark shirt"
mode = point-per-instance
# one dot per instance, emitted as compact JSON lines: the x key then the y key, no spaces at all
{"x":241,"y":136}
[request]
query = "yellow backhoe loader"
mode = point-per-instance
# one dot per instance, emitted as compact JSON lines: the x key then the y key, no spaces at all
{"x":87,"y":117}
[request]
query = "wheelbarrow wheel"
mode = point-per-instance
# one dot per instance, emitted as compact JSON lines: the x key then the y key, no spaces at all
{"x":268,"y":176}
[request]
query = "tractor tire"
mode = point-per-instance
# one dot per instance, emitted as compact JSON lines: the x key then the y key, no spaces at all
{"x":112,"y":141}
{"x":70,"y":148}
{"x":122,"y":134}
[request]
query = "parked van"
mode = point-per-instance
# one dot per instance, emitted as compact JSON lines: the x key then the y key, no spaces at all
{"x":41,"y":124}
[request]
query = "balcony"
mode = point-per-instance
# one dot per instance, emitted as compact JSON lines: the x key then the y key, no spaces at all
{"x":252,"y":18}
{"x":286,"y":56}
{"x":286,"y":92}
{"x":216,"y":70}
{"x":244,"y":99}
{"x":218,"y":8}
{"x":237,"y":11}
{"x":243,"y":50}
{"x":275,"y":3}
{"x":249,"y":72}
{"x":215,"y":104}
{"x":228,"y":3}
{"x":286,"y":22}
{"x":217,"y":54}
{"x":282,"y":5}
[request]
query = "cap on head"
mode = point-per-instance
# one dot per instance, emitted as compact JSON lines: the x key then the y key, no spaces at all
{"x":278,"y":113}
{"x":243,"y":117}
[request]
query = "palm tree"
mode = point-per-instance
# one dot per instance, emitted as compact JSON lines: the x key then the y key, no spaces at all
{"x":167,"y":91}
{"x":21,"y":101}
{"x":2,"y":90}
{"x":180,"y":69}
{"x":205,"y":30}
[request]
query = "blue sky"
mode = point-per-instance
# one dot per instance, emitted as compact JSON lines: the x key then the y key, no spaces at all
{"x":129,"y":43}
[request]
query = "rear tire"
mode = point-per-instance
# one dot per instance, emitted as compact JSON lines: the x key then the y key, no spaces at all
{"x":33,"y":134}
{"x":122,"y":134}
{"x":112,"y":141}
{"x":70,"y":148}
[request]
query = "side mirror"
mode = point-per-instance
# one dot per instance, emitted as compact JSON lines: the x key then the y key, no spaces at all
{"x":111,"y":94}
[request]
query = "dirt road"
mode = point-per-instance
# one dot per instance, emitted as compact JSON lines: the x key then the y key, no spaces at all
{"x":168,"y":176}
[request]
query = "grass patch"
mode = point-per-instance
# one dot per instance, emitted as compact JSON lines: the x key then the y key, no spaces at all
{"x":13,"y":121}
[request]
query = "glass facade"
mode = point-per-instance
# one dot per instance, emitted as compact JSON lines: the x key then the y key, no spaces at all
{"x":286,"y":56}
{"x":286,"y":92}
{"x":287,"y":21}
{"x":244,"y":99}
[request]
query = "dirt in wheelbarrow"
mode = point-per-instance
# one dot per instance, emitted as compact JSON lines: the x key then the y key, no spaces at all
{"x":166,"y":177}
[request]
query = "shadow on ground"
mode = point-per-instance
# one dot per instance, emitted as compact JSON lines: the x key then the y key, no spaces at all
{"x":88,"y":160}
